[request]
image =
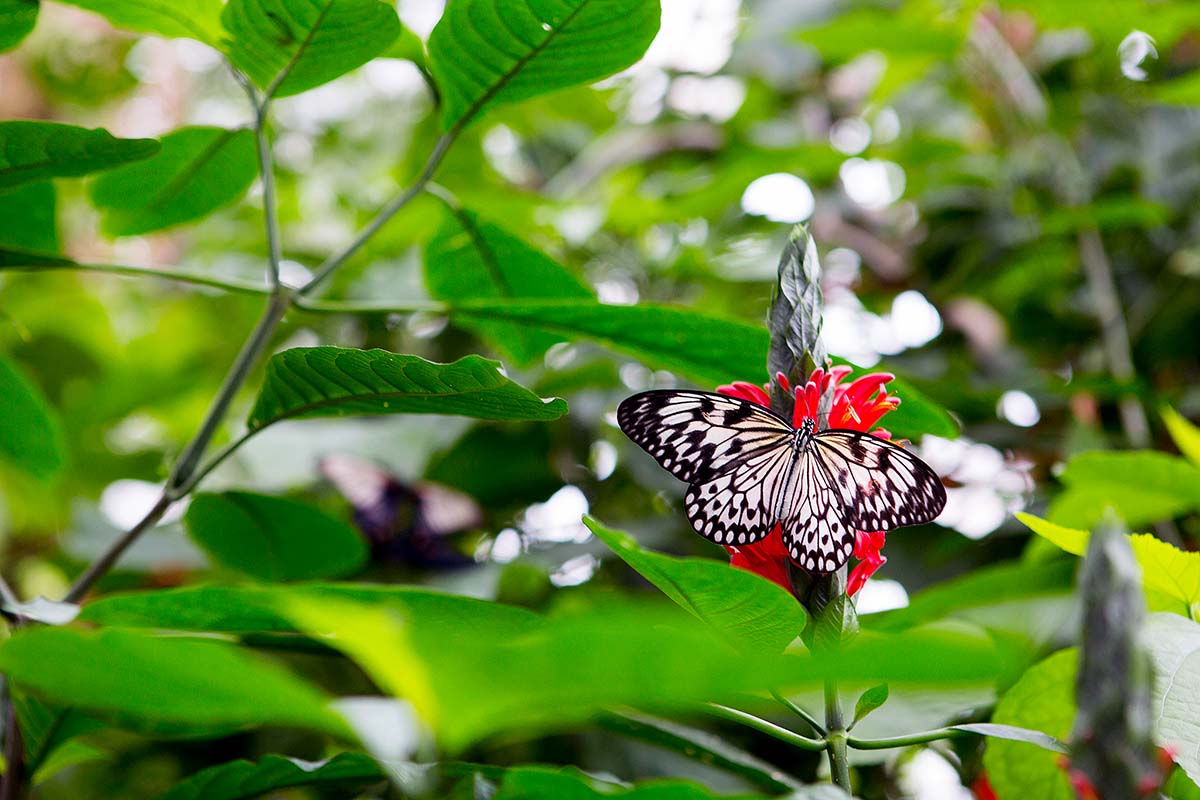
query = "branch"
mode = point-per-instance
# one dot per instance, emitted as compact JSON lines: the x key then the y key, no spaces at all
{"x":103,"y":564}
{"x":237,"y":287}
{"x":839,"y":764}
{"x":800,"y":712}
{"x":763,"y":726}
{"x":904,"y":741}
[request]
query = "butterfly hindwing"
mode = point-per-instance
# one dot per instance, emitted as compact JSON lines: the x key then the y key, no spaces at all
{"x":816,"y":531}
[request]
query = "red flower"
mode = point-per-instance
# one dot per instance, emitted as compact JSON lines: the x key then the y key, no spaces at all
{"x":857,"y":406}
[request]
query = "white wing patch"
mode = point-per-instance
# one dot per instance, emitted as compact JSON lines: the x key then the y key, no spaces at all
{"x":815,"y":530}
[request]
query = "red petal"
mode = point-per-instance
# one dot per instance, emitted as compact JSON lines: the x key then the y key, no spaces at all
{"x":745,"y":391}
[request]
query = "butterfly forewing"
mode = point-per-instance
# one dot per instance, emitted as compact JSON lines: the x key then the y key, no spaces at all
{"x":737,"y":506}
{"x":815,"y":527}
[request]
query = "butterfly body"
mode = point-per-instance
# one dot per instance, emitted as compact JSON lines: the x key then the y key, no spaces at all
{"x":748,"y":469}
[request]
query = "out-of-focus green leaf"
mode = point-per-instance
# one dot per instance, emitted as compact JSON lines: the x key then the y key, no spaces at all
{"x":29,"y":218}
{"x":44,"y":728}
{"x":194,"y":19}
{"x":17,"y":18}
{"x":1165,"y":568}
{"x":868,"y":701}
{"x":1109,"y":213}
{"x":1043,"y":700}
{"x":1185,"y":434}
{"x":197,"y":171}
{"x":1174,"y":645}
{"x":241,"y":779}
{"x":272,"y":538}
{"x":30,"y":435}
{"x":1141,"y":486}
{"x":470,"y":465}
{"x":17,"y":257}
{"x":336,"y":382}
{"x":1181,"y":787}
{"x":33,"y":151}
{"x":1182,"y":91}
{"x":751,"y":611}
{"x":486,"y":52}
{"x":544,"y":783}
{"x":917,"y":414}
{"x":145,"y":679}
{"x":472,"y":259}
{"x":291,"y":46}
{"x":1013,"y":733}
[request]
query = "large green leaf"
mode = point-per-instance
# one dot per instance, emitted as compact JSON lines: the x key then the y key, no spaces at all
{"x":198,"y":171}
{"x":336,"y":382}
{"x":485,"y":52}
{"x":1174,"y":645}
{"x":30,"y":436}
{"x":33,"y":151}
{"x":272,"y":538}
{"x":529,"y":476}
{"x":29,"y":217}
{"x":149,"y":680}
{"x":291,"y":46}
{"x":194,"y":19}
{"x":545,"y":783}
{"x":753,"y":612}
{"x":1043,"y":700}
{"x":1185,"y":434}
{"x":241,"y":779}
{"x":1142,"y":486}
{"x":17,"y":18}
{"x":472,"y":259}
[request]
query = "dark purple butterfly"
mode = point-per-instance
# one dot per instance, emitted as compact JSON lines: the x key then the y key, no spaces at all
{"x":405,"y":522}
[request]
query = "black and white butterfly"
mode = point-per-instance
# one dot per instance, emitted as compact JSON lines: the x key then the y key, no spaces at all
{"x":748,"y":468}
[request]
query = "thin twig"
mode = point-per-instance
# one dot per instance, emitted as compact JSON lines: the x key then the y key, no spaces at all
{"x":104,"y":563}
{"x":238,"y":287}
{"x":763,"y":726}
{"x":800,"y":712}
{"x":904,"y":741}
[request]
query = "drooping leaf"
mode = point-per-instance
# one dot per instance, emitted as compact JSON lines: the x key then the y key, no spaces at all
{"x":150,"y":680}
{"x":1185,"y":434}
{"x":1165,"y":568}
{"x":486,"y":52}
{"x":795,"y":317}
{"x":194,"y":19}
{"x":868,"y":701}
{"x":1141,"y":486}
{"x":332,"y":382}
{"x":1174,"y":645}
{"x":753,"y":612}
{"x":45,"y":728}
{"x":30,"y":436}
{"x":469,"y":465}
{"x":241,"y":779}
{"x":545,"y":783}
{"x":197,"y":171}
{"x":1042,"y":700}
{"x":272,"y":538}
{"x":472,"y":259}
{"x":1014,"y":733}
{"x":29,"y":218}
{"x":17,"y":18}
{"x":291,"y":46}
{"x":33,"y":151}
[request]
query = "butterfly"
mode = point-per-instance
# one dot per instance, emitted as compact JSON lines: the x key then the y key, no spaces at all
{"x":747,"y":469}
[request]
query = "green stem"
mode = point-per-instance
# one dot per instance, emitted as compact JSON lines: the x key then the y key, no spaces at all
{"x":763,"y":726}
{"x":817,"y":727}
{"x":270,"y":213}
{"x":839,"y":764}
{"x":238,"y":287}
{"x":904,"y":741}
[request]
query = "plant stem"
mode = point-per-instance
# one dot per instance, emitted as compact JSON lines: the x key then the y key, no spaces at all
{"x":239,"y":287}
{"x":904,"y":741}
{"x":763,"y":726}
{"x":7,"y":595}
{"x":14,"y":755}
{"x":110,"y":556}
{"x":839,"y":765}
{"x":270,"y":215}
{"x":817,"y":727}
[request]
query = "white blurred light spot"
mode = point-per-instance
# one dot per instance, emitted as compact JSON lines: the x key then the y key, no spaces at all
{"x":1133,"y":52}
{"x":635,"y":376}
{"x":880,"y":595}
{"x":850,"y":135}
{"x":603,"y":459}
{"x":503,"y":150}
{"x":392,"y":77}
{"x":559,"y":519}
{"x":973,"y":511}
{"x":126,"y":501}
{"x":575,"y":571}
{"x":506,"y":546}
{"x":914,"y":319}
{"x":578,"y":223}
{"x":1018,"y":408}
{"x":425,"y":325}
{"x":780,"y":197}
{"x":293,"y":273}
{"x":873,"y":184}
{"x":617,"y":291}
{"x":195,"y":56}
{"x":928,"y":776}
{"x":695,"y":36}
{"x":886,"y":125}
{"x":389,"y":728}
{"x":717,"y":98}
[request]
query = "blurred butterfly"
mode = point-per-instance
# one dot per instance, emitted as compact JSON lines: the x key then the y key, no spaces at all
{"x":748,"y":469}
{"x":405,"y":522}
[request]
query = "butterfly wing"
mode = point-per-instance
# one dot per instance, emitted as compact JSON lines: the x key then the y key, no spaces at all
{"x":816,"y":528}
{"x":734,"y":454}
{"x":883,"y":485}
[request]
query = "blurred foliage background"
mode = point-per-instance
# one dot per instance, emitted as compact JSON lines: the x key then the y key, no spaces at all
{"x":1003,"y":195}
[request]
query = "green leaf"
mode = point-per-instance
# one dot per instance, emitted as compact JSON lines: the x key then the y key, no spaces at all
{"x":897,"y":35}
{"x":1042,"y":700}
{"x":332,"y":382}
{"x":917,"y":414}
{"x":33,"y":151}
{"x":143,"y":679}
{"x":1174,"y":645}
{"x":486,"y":52}
{"x":1013,"y":733}
{"x":291,"y":46}
{"x":44,"y":728}
{"x":29,"y":217}
{"x":472,"y":259}
{"x":30,"y":435}
{"x":194,"y":19}
{"x":1165,"y":568}
{"x":1141,"y":486}
{"x":1185,"y":434}
{"x":274,"y":539}
{"x":752,"y":612}
{"x":868,"y":701}
{"x":241,"y":779}
{"x":17,"y":18}
{"x":528,"y":475}
{"x":548,"y":783}
{"x":197,"y":171}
